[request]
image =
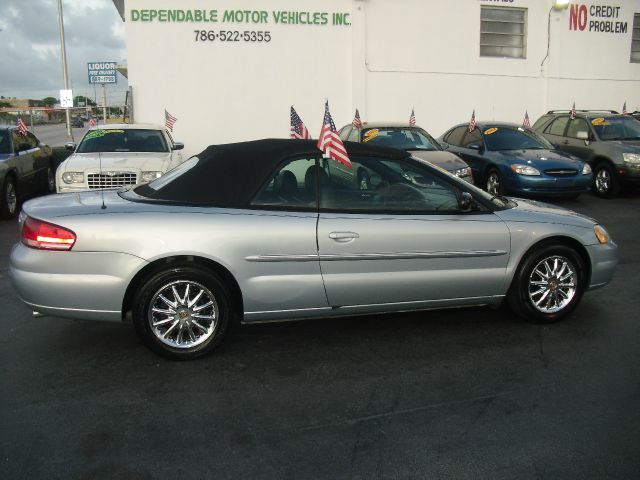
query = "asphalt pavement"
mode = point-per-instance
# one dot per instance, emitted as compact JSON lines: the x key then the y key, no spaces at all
{"x":462,"y":393}
{"x":55,"y":135}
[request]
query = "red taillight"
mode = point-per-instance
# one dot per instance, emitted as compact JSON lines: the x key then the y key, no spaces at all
{"x":46,"y":236}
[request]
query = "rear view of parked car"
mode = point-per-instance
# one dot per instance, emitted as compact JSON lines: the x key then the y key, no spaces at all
{"x":609,"y":142}
{"x":118,"y":155}
{"x":25,"y":167}
{"x":509,"y":159}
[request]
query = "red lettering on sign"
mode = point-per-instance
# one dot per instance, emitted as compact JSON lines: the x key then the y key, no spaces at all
{"x":577,"y":17}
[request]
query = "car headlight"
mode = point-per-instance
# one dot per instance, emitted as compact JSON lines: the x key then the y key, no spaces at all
{"x":586,"y":170}
{"x":462,"y":172}
{"x":601,"y":234}
{"x":524,"y":169}
{"x":150,"y":176}
{"x":73,"y":177}
{"x":633,"y":158}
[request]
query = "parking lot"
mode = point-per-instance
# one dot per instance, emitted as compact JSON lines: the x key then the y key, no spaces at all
{"x":461,"y":393}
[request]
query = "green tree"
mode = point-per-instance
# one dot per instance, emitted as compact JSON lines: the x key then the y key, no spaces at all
{"x":49,"y":101}
{"x":5,"y":104}
{"x":81,"y":101}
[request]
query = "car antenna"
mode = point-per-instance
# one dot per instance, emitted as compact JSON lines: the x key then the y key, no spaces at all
{"x":99,"y":183}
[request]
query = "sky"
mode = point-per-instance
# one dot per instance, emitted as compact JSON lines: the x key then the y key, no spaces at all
{"x":30,"y":64}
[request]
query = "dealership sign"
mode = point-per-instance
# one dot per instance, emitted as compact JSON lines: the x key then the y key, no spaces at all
{"x":596,"y":18}
{"x":102,"y":72}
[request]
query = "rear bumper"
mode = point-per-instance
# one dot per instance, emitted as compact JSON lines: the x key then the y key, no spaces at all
{"x":604,"y":259}
{"x":87,"y":285}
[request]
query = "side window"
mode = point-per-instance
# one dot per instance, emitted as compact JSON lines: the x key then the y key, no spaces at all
{"x":455,"y":136}
{"x":354,"y":136}
{"x":398,"y":186}
{"x":293,"y":185}
{"x":472,"y":138}
{"x":32,"y":140}
{"x":577,"y":125}
{"x":557,"y":126}
{"x":344,"y":132}
{"x":18,"y":141}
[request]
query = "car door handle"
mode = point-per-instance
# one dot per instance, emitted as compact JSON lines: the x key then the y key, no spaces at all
{"x":565,"y":142}
{"x":343,"y":236}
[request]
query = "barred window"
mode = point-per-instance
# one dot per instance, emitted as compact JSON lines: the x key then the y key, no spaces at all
{"x":503,"y":32}
{"x":635,"y":39}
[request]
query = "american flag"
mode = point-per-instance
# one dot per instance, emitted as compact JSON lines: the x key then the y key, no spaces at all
{"x":472,"y":122}
{"x":22,"y":127}
{"x":329,"y":140}
{"x":93,"y":122}
{"x":573,"y":111}
{"x":356,"y":120}
{"x":412,"y":119}
{"x":298,"y":129}
{"x":526,"y":123}
{"x":624,"y":108}
{"x":169,"y":120}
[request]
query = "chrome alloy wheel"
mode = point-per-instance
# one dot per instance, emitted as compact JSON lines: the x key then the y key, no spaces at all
{"x":183,"y":314}
{"x":11,"y":197}
{"x":493,"y":183}
{"x":552,"y":284}
{"x":603,"y":180}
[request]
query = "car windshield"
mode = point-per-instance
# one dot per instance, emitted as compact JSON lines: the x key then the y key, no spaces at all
{"x":122,"y":140}
{"x":403,"y":138}
{"x":616,"y":128}
{"x":513,"y":138}
{"x":5,"y":144}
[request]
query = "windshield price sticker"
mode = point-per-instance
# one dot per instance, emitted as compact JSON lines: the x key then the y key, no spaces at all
{"x":598,"y":121}
{"x":369,"y":134}
{"x":491,"y":130}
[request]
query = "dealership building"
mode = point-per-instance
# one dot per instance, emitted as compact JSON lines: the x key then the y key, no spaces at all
{"x":229,"y":70}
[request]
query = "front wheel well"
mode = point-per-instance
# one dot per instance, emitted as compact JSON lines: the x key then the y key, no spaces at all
{"x":562,"y":240}
{"x":178,"y":260}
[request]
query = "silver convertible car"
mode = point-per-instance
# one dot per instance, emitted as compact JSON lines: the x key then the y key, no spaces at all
{"x":261,"y":231}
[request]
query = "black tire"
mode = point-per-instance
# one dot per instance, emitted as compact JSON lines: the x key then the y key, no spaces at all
{"x":522,"y":293}
{"x":493,"y":182}
{"x":179,"y":275}
{"x":8,"y":198}
{"x":50,"y":179}
{"x":363,"y":179}
{"x":605,"y":181}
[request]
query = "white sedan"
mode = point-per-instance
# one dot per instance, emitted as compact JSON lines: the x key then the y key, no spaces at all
{"x":112,"y":156}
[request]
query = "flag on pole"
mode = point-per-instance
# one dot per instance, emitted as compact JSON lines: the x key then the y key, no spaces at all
{"x":526,"y":123}
{"x":22,"y":127}
{"x":329,"y":140}
{"x":573,"y":111}
{"x":298,"y":129}
{"x":356,"y":120}
{"x":412,"y":119}
{"x":472,"y":122}
{"x":169,"y":120}
{"x":624,"y":108}
{"x":93,"y":122}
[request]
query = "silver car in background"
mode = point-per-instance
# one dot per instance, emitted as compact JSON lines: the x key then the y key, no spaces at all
{"x":265,"y":231}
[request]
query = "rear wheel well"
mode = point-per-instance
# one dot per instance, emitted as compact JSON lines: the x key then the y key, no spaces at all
{"x":566,"y":241}
{"x":191,"y":260}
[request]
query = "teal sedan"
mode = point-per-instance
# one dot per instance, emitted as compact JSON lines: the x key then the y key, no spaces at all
{"x":25,"y":168}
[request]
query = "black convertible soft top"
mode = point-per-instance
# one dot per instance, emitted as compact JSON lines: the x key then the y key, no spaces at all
{"x":230,"y":175}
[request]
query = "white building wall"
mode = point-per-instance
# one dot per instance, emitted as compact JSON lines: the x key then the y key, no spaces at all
{"x":395,"y":55}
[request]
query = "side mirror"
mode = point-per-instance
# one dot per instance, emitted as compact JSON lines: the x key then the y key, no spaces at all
{"x":71,"y":146}
{"x":476,"y":146}
{"x":466,"y":201}
{"x":178,"y":146}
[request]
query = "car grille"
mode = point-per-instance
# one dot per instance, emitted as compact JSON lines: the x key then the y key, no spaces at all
{"x":111,"y":179}
{"x":561,"y":172}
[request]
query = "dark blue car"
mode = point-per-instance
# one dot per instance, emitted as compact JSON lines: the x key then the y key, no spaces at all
{"x":507,"y":158}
